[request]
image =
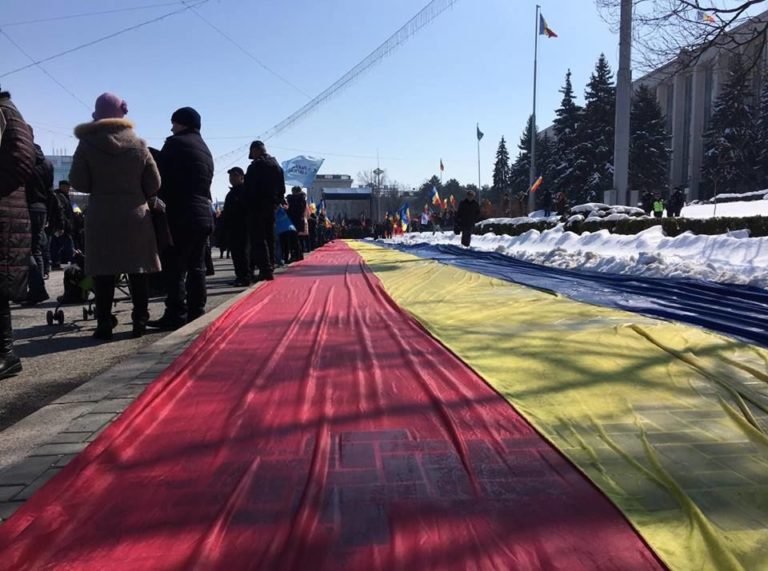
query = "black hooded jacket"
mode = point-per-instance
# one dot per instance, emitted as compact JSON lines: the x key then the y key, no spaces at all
{"x":264,"y":183}
{"x":39,"y":186}
{"x":186,"y":170}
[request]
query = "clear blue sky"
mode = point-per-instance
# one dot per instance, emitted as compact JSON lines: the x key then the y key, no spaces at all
{"x":472,"y":64}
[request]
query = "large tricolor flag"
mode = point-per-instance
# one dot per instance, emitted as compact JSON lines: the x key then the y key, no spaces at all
{"x":702,"y":16}
{"x":442,"y":168}
{"x":435,"y":197}
{"x":544,"y":29}
{"x":537,"y":184}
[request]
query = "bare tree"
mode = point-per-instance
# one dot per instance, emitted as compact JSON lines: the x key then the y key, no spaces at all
{"x":368,"y":178}
{"x":682,"y":31}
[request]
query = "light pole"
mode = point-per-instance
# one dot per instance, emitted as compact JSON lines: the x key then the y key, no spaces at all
{"x":623,"y":103}
{"x":377,"y":191}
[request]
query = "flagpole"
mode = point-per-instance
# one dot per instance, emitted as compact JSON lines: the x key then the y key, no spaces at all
{"x":477,"y":126}
{"x":532,"y":172}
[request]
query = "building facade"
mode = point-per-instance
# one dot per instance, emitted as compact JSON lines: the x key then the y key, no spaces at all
{"x":687,"y":92}
{"x":61,"y":166}
{"x":314,"y":193}
{"x":348,"y":203}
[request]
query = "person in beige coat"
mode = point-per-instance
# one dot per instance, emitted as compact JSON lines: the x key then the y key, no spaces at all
{"x":115,"y":168}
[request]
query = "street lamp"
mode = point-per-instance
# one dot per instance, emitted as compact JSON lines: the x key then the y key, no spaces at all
{"x":377,"y":191}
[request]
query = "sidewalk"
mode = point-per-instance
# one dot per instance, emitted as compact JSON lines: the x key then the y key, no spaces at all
{"x":36,"y":447}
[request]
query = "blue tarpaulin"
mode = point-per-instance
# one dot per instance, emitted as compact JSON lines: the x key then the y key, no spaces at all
{"x":735,"y":310}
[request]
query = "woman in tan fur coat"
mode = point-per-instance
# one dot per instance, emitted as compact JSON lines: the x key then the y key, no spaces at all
{"x":115,"y":168}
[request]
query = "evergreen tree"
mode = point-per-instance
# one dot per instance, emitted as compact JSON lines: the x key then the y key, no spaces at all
{"x":730,"y":156}
{"x":563,"y":172}
{"x":501,"y":170}
{"x":593,"y":155}
{"x":545,"y":163}
{"x":762,"y":137}
{"x":425,"y":190}
{"x":648,"y":151}
{"x":520,"y":170}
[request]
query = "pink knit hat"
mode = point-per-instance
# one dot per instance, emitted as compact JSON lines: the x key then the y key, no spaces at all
{"x":109,"y":105}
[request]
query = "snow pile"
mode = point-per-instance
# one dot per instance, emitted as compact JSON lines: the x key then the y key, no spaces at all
{"x":598,"y":209}
{"x":754,"y":195}
{"x":753,"y":208}
{"x":728,"y":258}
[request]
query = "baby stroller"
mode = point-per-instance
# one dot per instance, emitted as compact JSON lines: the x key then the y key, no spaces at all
{"x":78,"y":289}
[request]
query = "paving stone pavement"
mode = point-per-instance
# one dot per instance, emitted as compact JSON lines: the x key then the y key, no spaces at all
{"x":89,"y":409}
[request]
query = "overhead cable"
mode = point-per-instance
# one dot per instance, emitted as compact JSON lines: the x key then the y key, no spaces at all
{"x":408,"y":30}
{"x":103,"y":38}
{"x":248,"y":53}
{"x":86,"y":14}
{"x":45,"y":71}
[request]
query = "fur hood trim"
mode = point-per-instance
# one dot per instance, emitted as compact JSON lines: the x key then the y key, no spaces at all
{"x":106,"y":125}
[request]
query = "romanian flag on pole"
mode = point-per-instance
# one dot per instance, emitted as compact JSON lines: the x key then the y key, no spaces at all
{"x":434,"y":197}
{"x":704,"y":17}
{"x":544,"y":29}
{"x":537,"y":184}
{"x":442,"y":168}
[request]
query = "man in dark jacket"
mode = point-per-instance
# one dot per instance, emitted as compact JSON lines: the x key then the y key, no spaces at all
{"x":62,"y":226}
{"x":17,"y":161}
{"x":186,"y":169}
{"x":676,"y":202}
{"x":646,"y":202}
{"x":235,"y":226}
{"x":297,"y":210}
{"x":39,"y":189}
{"x":467,"y":215}
{"x":265,"y":189}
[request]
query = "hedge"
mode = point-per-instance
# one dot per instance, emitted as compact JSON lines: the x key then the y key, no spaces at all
{"x":757,"y":226}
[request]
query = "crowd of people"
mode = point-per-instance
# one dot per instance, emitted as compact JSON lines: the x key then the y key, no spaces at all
{"x":656,"y":204}
{"x":149,"y":212}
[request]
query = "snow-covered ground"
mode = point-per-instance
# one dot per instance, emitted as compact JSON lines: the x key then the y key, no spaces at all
{"x":729,"y":258}
{"x":753,"y":208}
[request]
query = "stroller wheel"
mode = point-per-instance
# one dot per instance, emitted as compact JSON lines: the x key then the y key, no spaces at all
{"x":60,"y":316}
{"x":49,"y":317}
{"x":85,"y":314}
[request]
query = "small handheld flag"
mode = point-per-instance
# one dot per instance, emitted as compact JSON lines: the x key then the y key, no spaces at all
{"x":544,"y":29}
{"x":405,"y":216}
{"x":479,"y":133}
{"x":537,"y":184}
{"x":453,"y":201}
{"x":435,"y":197}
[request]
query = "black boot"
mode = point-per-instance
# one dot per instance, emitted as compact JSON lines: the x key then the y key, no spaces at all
{"x":10,"y":364}
{"x":104,"y":287}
